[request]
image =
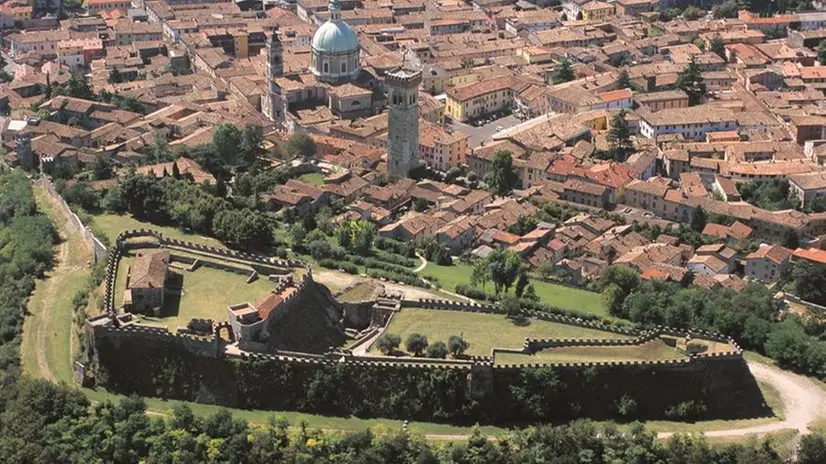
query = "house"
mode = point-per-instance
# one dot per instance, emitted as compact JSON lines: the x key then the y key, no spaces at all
{"x":812,"y":255}
{"x":768,"y":263}
{"x":808,"y":186}
{"x":708,"y":265}
{"x":412,"y":227}
{"x":146,"y":282}
{"x":182,"y":168}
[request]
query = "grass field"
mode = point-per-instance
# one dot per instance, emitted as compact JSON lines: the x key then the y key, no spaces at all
{"x":206,"y":294}
{"x":652,"y":351}
{"x":358,"y":292}
{"x":482,"y":331}
{"x":112,"y":224}
{"x":314,"y":178}
{"x":552,"y":294}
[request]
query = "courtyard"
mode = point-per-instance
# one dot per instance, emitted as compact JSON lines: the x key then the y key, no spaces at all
{"x":204,"y":293}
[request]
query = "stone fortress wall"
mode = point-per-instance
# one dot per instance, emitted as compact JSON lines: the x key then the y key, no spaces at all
{"x":111,"y":331}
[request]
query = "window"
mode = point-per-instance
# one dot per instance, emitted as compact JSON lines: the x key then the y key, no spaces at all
{"x":326,"y":68}
{"x":343,"y":68}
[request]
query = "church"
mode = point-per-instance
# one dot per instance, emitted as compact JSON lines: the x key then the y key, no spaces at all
{"x":334,"y":79}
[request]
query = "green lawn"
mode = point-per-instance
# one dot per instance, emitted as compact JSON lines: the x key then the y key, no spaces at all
{"x":314,"y":178}
{"x":113,"y":224}
{"x":652,"y":351}
{"x":482,"y":331}
{"x":551,"y":294}
{"x":206,"y":294}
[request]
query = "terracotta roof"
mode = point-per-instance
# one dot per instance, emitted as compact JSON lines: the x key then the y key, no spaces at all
{"x":149,"y":269}
{"x":811,"y":254}
{"x":774,"y":253}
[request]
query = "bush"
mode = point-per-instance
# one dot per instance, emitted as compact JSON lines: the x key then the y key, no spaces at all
{"x":687,"y":410}
{"x":626,"y":406}
{"x":475,"y":293}
{"x":395,"y":246}
{"x":397,"y":277}
{"x":347,"y":267}
{"x":393,"y":258}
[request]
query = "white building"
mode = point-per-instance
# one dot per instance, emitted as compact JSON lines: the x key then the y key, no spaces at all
{"x":335,"y":49}
{"x":692,"y":123}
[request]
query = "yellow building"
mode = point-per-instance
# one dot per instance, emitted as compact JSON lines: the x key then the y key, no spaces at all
{"x":484,"y":97}
{"x":596,"y":10}
{"x":440,"y":147}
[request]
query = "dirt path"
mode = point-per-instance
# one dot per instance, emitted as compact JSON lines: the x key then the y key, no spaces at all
{"x":69,"y":254}
{"x":803,"y":402}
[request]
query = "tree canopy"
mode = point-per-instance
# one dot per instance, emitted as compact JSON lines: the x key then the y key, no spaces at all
{"x":690,"y":81}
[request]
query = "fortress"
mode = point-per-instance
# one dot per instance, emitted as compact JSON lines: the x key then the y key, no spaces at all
{"x":250,"y":361}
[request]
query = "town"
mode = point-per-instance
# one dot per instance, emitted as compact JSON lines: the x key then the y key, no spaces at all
{"x":497,"y":212}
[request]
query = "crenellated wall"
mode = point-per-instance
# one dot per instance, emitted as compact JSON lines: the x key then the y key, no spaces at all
{"x":130,"y":358}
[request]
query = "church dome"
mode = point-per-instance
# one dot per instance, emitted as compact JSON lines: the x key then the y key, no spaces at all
{"x":335,"y":37}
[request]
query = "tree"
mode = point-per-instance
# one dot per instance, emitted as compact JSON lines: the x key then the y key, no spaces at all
{"x":727,"y":9}
{"x":562,"y":72}
{"x":300,"y":145}
{"x":502,"y":176}
{"x":690,"y":81}
{"x":297,"y":235}
{"x":699,"y":219}
{"x":113,"y":200}
{"x":101,"y":168}
{"x":619,"y":137}
{"x":624,"y":80}
{"x":504,"y":268}
{"x":225,"y":141}
{"x":416,"y":344}
{"x":115,"y":76}
{"x":692,"y":13}
{"x":420,"y":205}
{"x":251,"y":148}
{"x":808,"y":282}
{"x":77,"y":87}
{"x":437,"y":350}
{"x":511,"y":307}
{"x":821,"y":52}
{"x":468,"y":62}
{"x":388,"y":343}
{"x":480,"y":274}
{"x":521,"y":283}
{"x":791,"y":240}
{"x":530,"y":294}
{"x":718,"y":47}
{"x":457,"y":345}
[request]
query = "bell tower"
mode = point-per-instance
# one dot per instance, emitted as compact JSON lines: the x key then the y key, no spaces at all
{"x":274,"y":108}
{"x":403,"y":121}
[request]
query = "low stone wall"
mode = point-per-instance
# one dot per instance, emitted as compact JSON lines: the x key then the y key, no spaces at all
{"x":495,"y":309}
{"x":195,"y":263}
{"x":534,"y":345}
{"x":98,"y":248}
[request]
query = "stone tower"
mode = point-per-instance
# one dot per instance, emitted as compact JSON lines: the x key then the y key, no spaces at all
{"x":403,"y":121}
{"x":23,"y":147}
{"x":274,"y":107}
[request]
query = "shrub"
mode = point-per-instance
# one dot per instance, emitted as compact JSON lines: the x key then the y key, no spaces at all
{"x":626,"y":406}
{"x":347,"y":267}
{"x":397,"y":277}
{"x":393,"y":258}
{"x":395,"y":246}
